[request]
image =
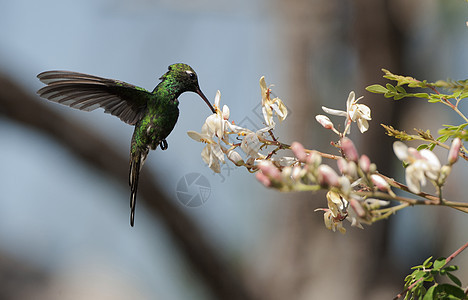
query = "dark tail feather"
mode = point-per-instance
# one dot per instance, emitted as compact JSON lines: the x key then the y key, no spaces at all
{"x":136,"y":162}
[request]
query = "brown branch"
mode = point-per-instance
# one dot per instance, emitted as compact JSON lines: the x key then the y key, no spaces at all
{"x":31,"y":111}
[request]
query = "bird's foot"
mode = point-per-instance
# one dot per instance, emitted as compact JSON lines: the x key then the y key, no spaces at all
{"x":163,"y":145}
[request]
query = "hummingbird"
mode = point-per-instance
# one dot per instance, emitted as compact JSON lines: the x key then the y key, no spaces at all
{"x":154,"y":114}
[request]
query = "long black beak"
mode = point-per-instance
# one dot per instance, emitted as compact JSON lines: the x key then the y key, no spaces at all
{"x":199,"y":92}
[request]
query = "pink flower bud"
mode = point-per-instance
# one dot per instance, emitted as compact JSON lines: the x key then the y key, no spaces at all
{"x":263,"y":179}
{"x":364,"y":163}
{"x":328,"y":176}
{"x":379,"y":182}
{"x":347,"y":167}
{"x":349,"y":149}
{"x":269,"y":170}
{"x":299,"y":151}
{"x":342,"y":165}
{"x":357,"y":207}
{"x":324,"y":121}
{"x":314,"y":159}
{"x":454,"y":150}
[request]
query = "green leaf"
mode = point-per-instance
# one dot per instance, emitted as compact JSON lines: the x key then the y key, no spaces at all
{"x":454,"y":279}
{"x":421,"y":95}
{"x":443,"y":138}
{"x":430,"y":293}
{"x":451,"y":268}
{"x":391,"y":88}
{"x":376,"y":88}
{"x":439,"y":263}
{"x":423,"y":146}
{"x":447,"y":291}
{"x":400,"y":89}
{"x":427,"y":263}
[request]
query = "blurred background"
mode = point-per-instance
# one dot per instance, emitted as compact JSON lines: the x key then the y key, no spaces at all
{"x":64,"y":217}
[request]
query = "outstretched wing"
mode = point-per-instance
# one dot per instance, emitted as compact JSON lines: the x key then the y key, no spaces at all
{"x":88,"y":92}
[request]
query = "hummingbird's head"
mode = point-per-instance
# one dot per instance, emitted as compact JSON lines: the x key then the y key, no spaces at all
{"x":184,"y":79}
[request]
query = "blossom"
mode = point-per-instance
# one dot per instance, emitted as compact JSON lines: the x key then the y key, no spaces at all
{"x":355,"y":112}
{"x":268,"y":172}
{"x":213,"y":153}
{"x":380,"y":182}
{"x":348,"y":168}
{"x":213,"y":130}
{"x":333,"y":223}
{"x":422,"y":164}
{"x":454,"y":149}
{"x":336,"y":212}
{"x":217,"y":122}
{"x":269,"y":105}
{"x":364,"y":163}
{"x":349,"y":150}
{"x":324,"y":121}
{"x":299,"y":151}
{"x":251,"y":145}
{"x":327,"y":176}
{"x":235,"y":158}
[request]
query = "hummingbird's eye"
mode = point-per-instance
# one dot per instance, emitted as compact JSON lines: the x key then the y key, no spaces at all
{"x":191,"y":74}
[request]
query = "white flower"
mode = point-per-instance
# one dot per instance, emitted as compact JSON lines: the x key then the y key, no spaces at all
{"x":251,"y":145}
{"x":217,"y":123}
{"x":235,"y":157}
{"x":213,"y":153}
{"x":269,"y":105}
{"x":355,"y":112}
{"x":336,"y":212}
{"x":340,"y":209}
{"x":422,"y":164}
{"x":373,"y":204}
{"x":332,"y":223}
{"x":213,"y":131}
{"x":359,"y":113}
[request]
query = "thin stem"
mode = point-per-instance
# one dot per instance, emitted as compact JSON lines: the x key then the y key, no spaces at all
{"x":448,"y":103}
{"x":387,"y":212}
{"x":454,"y":254}
{"x":411,"y":201}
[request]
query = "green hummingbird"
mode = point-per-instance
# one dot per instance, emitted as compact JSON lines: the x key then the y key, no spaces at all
{"x":154,"y":114}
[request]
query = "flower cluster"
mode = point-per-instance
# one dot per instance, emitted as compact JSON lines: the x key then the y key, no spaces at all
{"x":347,"y":196}
{"x":424,"y":164}
{"x":217,"y":129}
{"x":357,"y":192}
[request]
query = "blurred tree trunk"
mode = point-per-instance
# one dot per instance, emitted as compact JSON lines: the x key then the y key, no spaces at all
{"x":307,"y":261}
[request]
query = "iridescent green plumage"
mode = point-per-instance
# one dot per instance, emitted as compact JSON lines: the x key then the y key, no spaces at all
{"x":154,"y":114}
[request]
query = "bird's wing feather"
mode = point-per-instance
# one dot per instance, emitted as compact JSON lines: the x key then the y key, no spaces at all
{"x":88,"y":92}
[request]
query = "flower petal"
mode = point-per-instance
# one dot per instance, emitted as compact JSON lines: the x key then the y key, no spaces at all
{"x":334,"y":112}
{"x":401,"y":150}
